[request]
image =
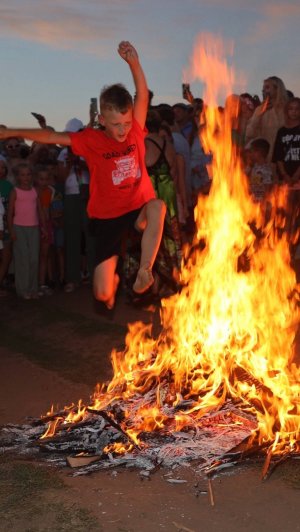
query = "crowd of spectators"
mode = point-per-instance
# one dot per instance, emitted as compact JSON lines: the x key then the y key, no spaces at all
{"x":44,"y":190}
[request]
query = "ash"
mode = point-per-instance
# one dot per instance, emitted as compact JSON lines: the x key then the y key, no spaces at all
{"x":205,"y":443}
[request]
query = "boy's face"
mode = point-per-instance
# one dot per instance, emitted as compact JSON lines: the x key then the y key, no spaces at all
{"x":256,"y":156}
{"x":42,"y":179}
{"x":293,"y":111}
{"x":117,"y":125}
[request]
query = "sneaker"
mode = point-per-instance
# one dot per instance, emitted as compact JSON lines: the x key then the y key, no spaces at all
{"x":44,"y":290}
{"x":69,"y":287}
{"x":143,"y":280}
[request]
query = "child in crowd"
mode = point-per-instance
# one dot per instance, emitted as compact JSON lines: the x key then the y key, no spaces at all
{"x":121,"y":193}
{"x":24,"y":212}
{"x":260,"y":171}
{"x":45,"y":194}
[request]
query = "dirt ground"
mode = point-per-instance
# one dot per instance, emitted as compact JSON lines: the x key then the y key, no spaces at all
{"x":54,"y":350}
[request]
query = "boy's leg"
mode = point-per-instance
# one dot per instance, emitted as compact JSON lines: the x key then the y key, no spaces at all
{"x":105,"y":281}
{"x":151,"y":221}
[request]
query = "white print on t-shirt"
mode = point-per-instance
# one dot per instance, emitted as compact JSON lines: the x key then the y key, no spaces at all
{"x":289,"y":138}
{"x":126,"y":168}
{"x":293,"y":155}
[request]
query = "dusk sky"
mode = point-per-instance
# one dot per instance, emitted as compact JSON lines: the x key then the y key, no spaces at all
{"x":56,"y":55}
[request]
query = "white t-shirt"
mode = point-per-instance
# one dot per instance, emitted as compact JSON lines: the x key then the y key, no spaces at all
{"x":73,"y":181}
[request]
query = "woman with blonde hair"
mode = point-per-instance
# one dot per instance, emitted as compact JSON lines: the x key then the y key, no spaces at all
{"x":269,"y":116}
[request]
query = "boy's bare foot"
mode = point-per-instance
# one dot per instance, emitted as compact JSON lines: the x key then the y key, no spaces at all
{"x":111,"y":302}
{"x":143,"y":280}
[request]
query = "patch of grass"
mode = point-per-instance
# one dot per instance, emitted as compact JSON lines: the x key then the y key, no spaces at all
{"x":21,"y":483}
{"x":25,"y":504}
{"x":73,"y":519}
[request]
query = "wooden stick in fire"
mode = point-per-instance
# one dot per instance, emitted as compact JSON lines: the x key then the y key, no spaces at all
{"x":210,"y":492}
{"x":114,"y":424}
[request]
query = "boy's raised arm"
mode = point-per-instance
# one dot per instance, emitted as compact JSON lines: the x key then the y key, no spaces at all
{"x":44,"y":136}
{"x":130,"y":55}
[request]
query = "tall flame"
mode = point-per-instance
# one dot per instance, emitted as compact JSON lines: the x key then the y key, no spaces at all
{"x":230,"y":331}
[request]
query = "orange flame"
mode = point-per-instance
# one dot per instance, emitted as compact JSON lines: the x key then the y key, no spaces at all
{"x":69,"y":415}
{"x":227,"y":321}
{"x":230,"y":331}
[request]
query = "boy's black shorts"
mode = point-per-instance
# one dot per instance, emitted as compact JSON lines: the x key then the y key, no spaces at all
{"x":110,"y":233}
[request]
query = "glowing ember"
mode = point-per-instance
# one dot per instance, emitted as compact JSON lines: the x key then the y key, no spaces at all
{"x":230,"y":332}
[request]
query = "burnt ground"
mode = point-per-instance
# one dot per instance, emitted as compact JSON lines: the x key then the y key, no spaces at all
{"x":54,"y":350}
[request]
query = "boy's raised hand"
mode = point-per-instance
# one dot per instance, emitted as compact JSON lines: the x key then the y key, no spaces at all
{"x":128,"y":52}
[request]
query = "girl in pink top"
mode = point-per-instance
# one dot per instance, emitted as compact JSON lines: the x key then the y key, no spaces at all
{"x":24,"y":212}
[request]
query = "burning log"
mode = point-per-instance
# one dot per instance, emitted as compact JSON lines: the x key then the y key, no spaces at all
{"x":114,"y":424}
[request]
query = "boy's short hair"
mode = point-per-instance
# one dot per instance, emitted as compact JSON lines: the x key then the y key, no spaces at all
{"x":261,"y":145}
{"x":115,"y":98}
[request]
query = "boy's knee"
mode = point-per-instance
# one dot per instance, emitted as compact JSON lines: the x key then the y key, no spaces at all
{"x":158,"y":207}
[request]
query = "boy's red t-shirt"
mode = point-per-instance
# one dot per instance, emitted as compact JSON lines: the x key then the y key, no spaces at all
{"x":119,"y":182}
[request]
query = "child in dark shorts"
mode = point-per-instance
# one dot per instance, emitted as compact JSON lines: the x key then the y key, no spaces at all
{"x":119,"y":183}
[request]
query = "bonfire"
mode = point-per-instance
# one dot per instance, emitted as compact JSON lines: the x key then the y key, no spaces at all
{"x":221,"y":371}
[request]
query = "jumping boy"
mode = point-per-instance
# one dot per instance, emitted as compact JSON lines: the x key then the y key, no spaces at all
{"x":121,"y":193}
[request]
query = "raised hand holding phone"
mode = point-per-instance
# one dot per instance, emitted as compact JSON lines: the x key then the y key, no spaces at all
{"x":40,"y":118}
{"x":186,"y":92}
